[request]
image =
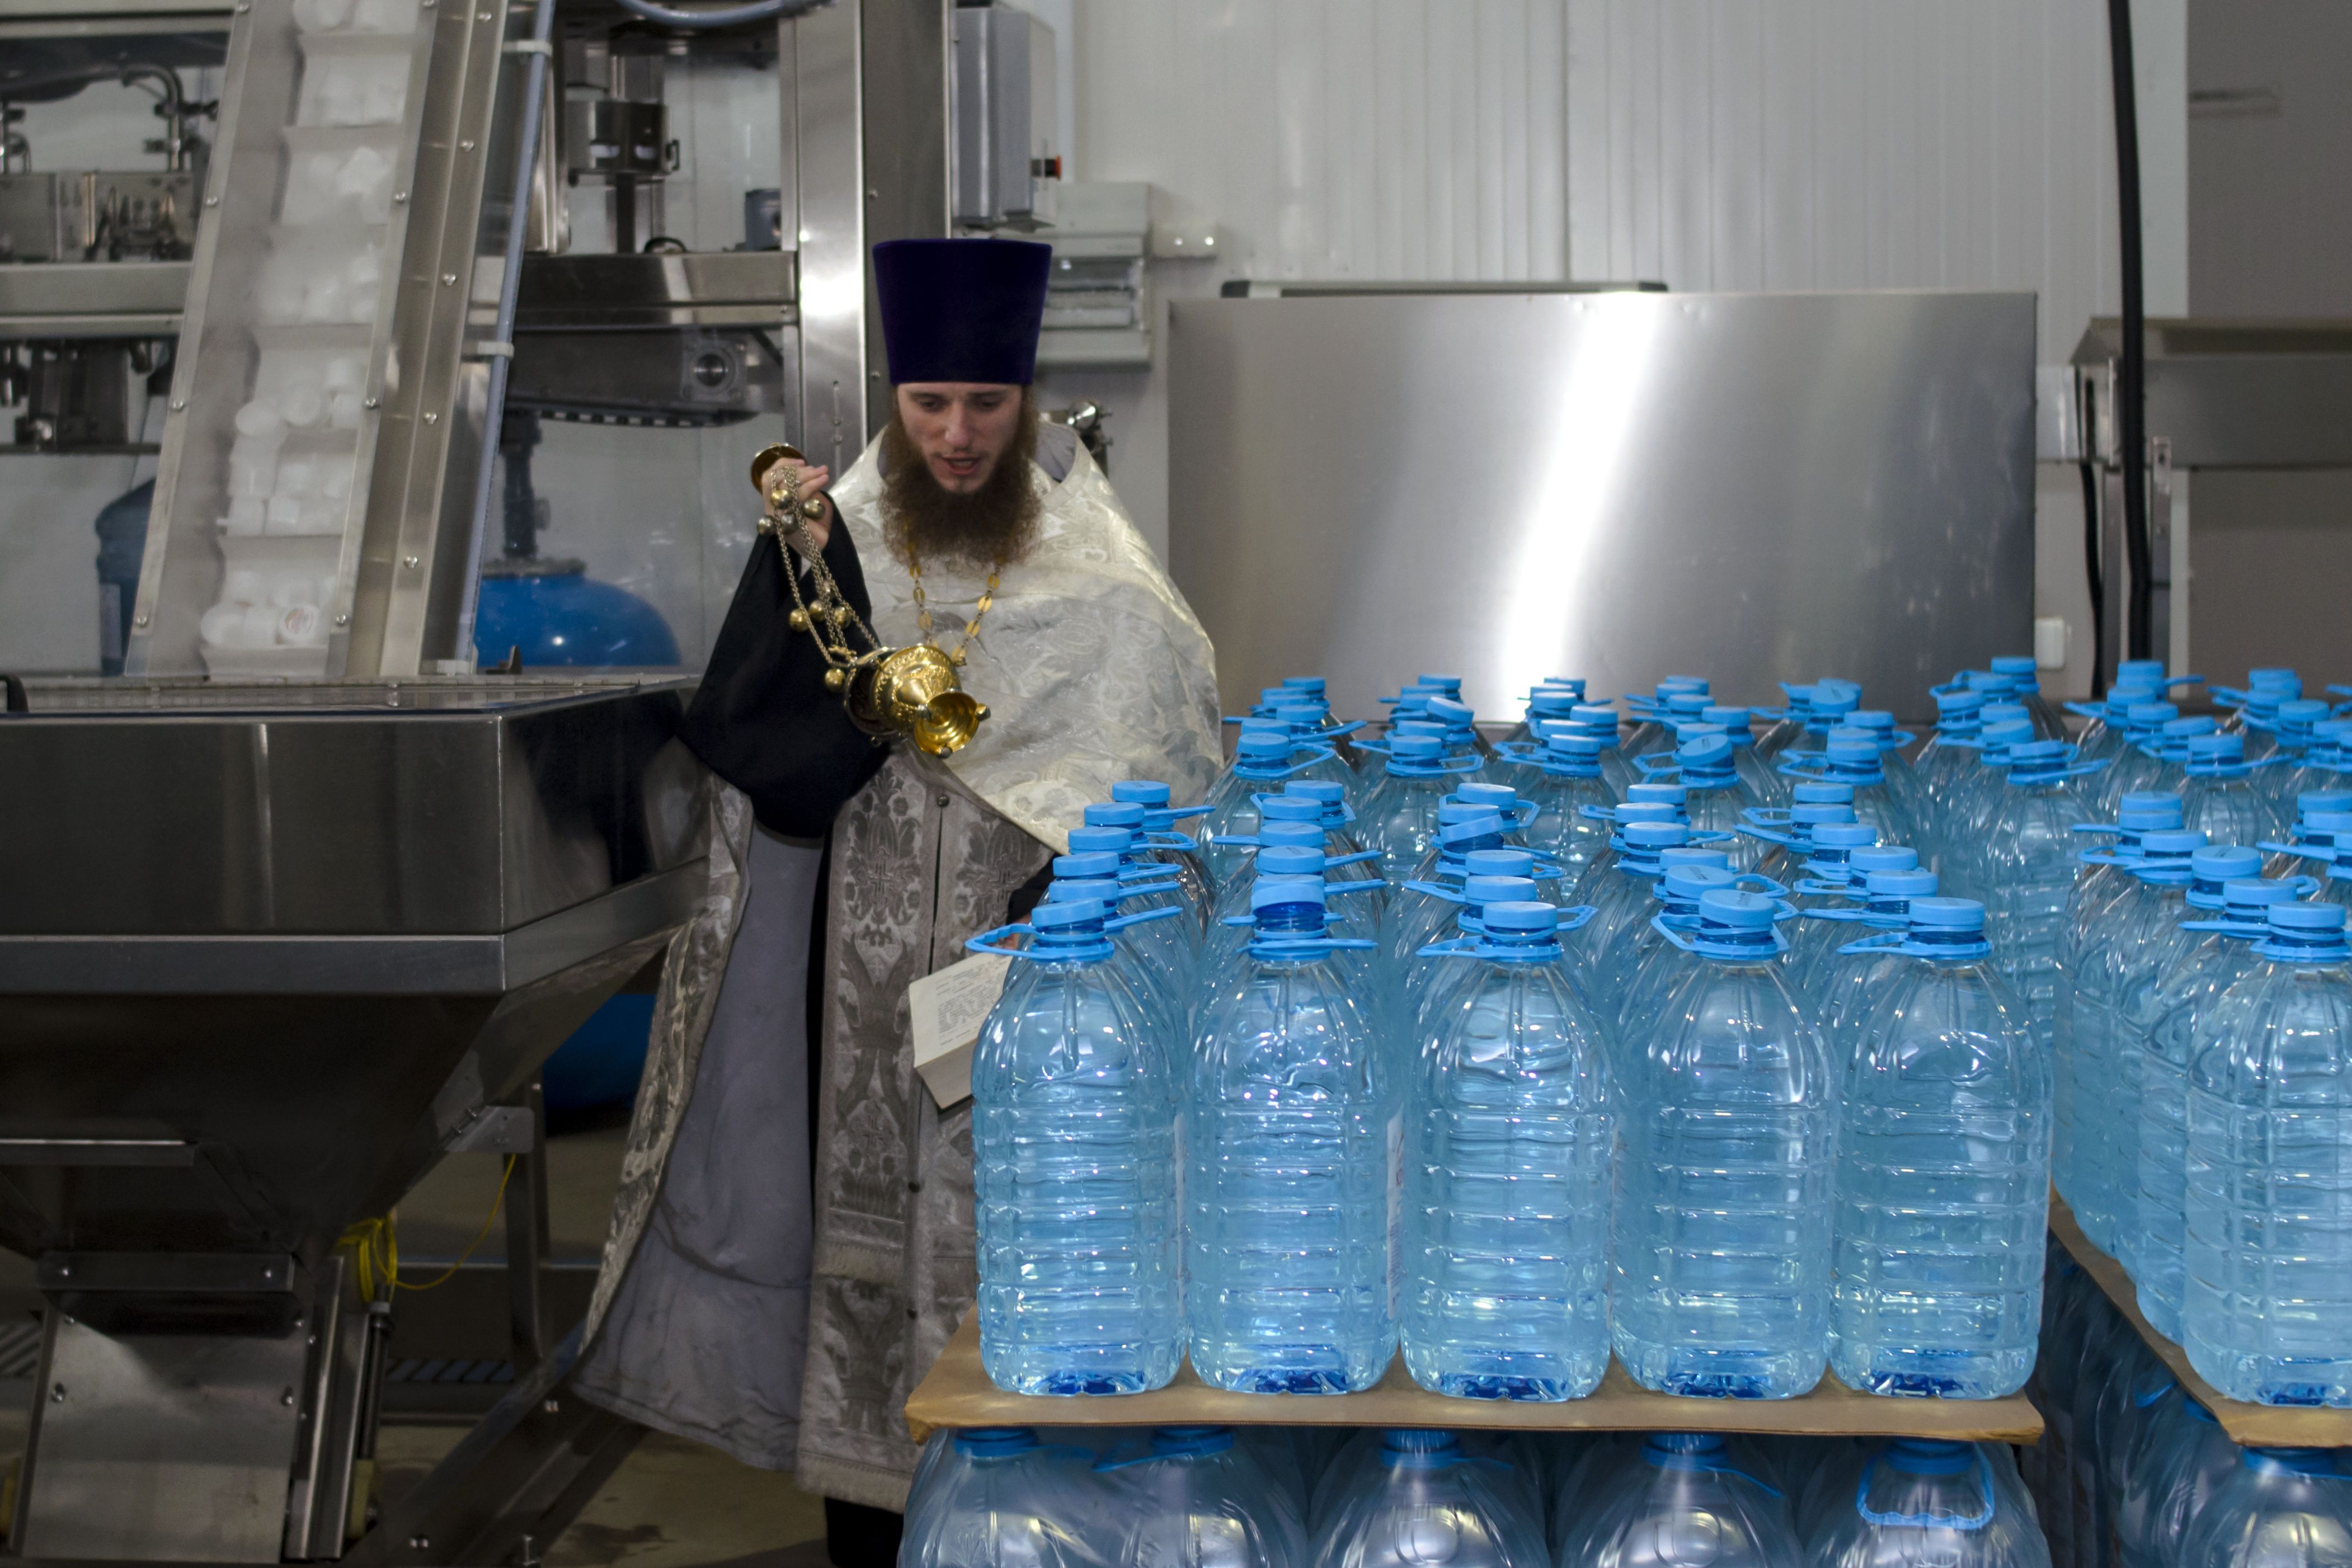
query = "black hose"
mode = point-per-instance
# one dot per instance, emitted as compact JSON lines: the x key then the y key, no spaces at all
{"x":2131,"y":382}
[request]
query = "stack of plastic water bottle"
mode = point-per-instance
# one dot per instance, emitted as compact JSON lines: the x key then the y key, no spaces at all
{"x":1307,"y":1497}
{"x":1641,"y":1032}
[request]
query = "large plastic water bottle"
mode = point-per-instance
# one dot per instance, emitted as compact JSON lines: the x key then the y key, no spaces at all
{"x":1263,"y":761}
{"x":1961,"y":843}
{"x":1428,"y":1502}
{"x":1788,"y":836}
{"x":2134,"y":928}
{"x":998,"y":1498}
{"x":2021,"y":668}
{"x":1195,"y":1498}
{"x":1290,"y":850}
{"x":2266,"y":1313}
{"x":1158,"y":970}
{"x":1399,"y":817}
{"x":1640,"y":965}
{"x":1507,"y":1176}
{"x":1921,"y":1503}
{"x":1652,"y":731}
{"x":2281,"y":1508}
{"x":1166,"y":833}
{"x":1561,"y":777}
{"x":2224,"y":795}
{"x":1622,"y":893}
{"x":1688,"y":1500}
{"x":1943,"y":1173}
{"x":1722,"y":1225}
{"x":2194,"y":979}
{"x":1716,"y":799}
{"x":2187,"y":1457}
{"x":1832,"y":887}
{"x":1426,"y":978}
{"x":1358,"y":1465}
{"x":2325,"y":762}
{"x":1950,"y":756}
{"x":1839,"y":986}
{"x":1292,"y":1193}
{"x":2134,"y":765}
{"x":2023,"y":872}
{"x":1072,"y":1130}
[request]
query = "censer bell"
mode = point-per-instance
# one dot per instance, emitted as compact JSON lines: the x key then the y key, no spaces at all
{"x":911,"y":691}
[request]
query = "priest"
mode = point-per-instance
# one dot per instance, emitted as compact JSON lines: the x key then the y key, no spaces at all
{"x":792,"y":1242}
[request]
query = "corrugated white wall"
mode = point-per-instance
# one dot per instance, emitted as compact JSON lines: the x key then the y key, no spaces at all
{"x":1710,"y":144}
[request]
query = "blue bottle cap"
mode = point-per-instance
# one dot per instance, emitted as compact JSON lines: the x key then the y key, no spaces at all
{"x":2151,"y":798}
{"x":2147,"y":818}
{"x":1289,"y":859}
{"x":1844,"y":836}
{"x":1118,"y":841}
{"x":1652,"y":794}
{"x":2030,"y":755}
{"x":1708,"y":750}
{"x":1593,"y":713}
{"x":2177,"y":842}
{"x":2328,"y":821}
{"x":1444,"y":682}
{"x":1878,"y":857}
{"x":1488,"y":795}
{"x":1145,"y":792}
{"x":1450,"y":810}
{"x":1582,"y":747}
{"x":1736,"y":911}
{"x":1288,"y":808}
{"x":1115,"y":814}
{"x":1070,"y":888}
{"x":1422,"y":726}
{"x":1448,"y":711}
{"x":1307,"y":835}
{"x":1693,"y":854}
{"x":1481,"y":891}
{"x":2153,"y":668}
{"x":1952,"y":705}
{"x":1263,"y":747}
{"x":1851,"y":746}
{"x":2221,"y":748}
{"x":1634,"y":811}
{"x":2313,"y":800}
{"x":2222,"y":862}
{"x":2152,"y":714}
{"x":1549,"y":704}
{"x":1322,"y":791}
{"x":2307,"y":917}
{"x":2273,"y":676}
{"x":994,"y":1442}
{"x":1498,"y":862}
{"x":1995,"y":712}
{"x":1909,"y":883}
{"x":1946,"y":913}
{"x":1690,"y":882}
{"x":1816,"y":792}
{"x":1061,"y":916}
{"x":1731,"y":718}
{"x":1656,"y":835}
{"x":1304,"y":683}
{"x":1190,"y":1442}
{"x":1686,"y":704}
{"x":1268,"y":891}
{"x":1417,"y":748}
{"x":2015,"y":664}
{"x":1870,"y":719}
{"x":1836,"y":697}
{"x":1673,"y":684}
{"x":2303,"y":710}
{"x":1521,"y":915}
{"x":1486,"y":825}
{"x":2180,"y":728}
{"x":1812,"y":813}
{"x":2253,"y":892}
{"x":1929,"y":1456}
{"x":1301,"y":716}
{"x":1092,"y":863}
{"x":2010,"y":733}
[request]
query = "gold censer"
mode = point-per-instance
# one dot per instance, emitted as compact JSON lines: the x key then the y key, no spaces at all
{"x":911,"y":691}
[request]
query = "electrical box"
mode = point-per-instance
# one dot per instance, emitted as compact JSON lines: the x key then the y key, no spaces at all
{"x":1005,"y":154}
{"x":1097,"y":296}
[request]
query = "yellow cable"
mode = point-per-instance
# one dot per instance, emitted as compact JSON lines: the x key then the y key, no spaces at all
{"x":374,"y":1245}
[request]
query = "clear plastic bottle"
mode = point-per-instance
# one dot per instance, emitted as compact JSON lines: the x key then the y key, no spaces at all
{"x":998,"y":1498}
{"x":2225,"y":795}
{"x":1560,"y":778}
{"x":2135,"y":766}
{"x":1165,"y":834}
{"x":1949,"y":756}
{"x":2187,"y":1459}
{"x":2021,"y":668}
{"x":1833,"y":886}
{"x":1686,"y":1502}
{"x":2023,"y":872}
{"x":1399,"y":815}
{"x":1722,"y":1225}
{"x":1766,"y":786}
{"x":1716,"y":799}
{"x":1943,"y":1173}
{"x":1960,"y":862}
{"x":2267,"y":1310}
{"x":1923,"y":1503}
{"x":1642,"y":963}
{"x":1293,"y":1193}
{"x":2195,"y":976}
{"x":2281,"y":1508}
{"x":1620,"y":893}
{"x":1154,"y":969}
{"x":1263,"y":761}
{"x":1073,"y":1127}
{"x":1423,"y":972}
{"x":2133,"y":930}
{"x":1508,"y":1177}
{"x":1840,"y":987}
{"x":1427,"y":1502}
{"x":1195,"y":1498}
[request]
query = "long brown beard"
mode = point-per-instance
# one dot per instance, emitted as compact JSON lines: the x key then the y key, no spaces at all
{"x":993,"y":526}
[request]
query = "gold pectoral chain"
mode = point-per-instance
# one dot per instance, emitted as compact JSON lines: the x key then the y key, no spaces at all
{"x":957,"y":655}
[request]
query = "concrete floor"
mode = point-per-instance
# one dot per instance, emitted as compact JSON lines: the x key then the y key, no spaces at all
{"x":672,"y":1503}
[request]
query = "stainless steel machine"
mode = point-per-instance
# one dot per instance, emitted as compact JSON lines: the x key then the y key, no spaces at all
{"x":300,"y":904}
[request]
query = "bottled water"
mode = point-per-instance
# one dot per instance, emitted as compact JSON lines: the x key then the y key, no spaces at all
{"x":1970,"y":816}
{"x":1463,"y":912}
{"x":1716,"y":799}
{"x":1922,"y":1503}
{"x":1843,"y":985}
{"x":1263,"y":761}
{"x":1429,"y":1502}
{"x":2135,"y":767}
{"x":2267,"y":1310}
{"x":1195,"y":1498}
{"x":1788,"y":836}
{"x":2026,"y":678}
{"x":1561,"y":783}
{"x":1508,"y":1177}
{"x":2187,"y":1459}
{"x":1721,"y":1233}
{"x":1145,"y":853}
{"x":1832,"y":887}
{"x":1154,"y":967}
{"x":1949,"y":756}
{"x":1651,"y":730}
{"x":2211,"y":949}
{"x":998,"y":1498}
{"x":1073,"y":1127}
{"x":1291,"y":1192}
{"x":2221,"y":795}
{"x":2135,"y":927}
{"x":1399,"y":815}
{"x":2280,"y":1508}
{"x":1640,"y":964}
{"x":1163,"y":834}
{"x":1687,"y":1500}
{"x":1943,"y":1172}
{"x":1620,"y":893}
{"x":1852,"y":758}
{"x":2025,"y":869}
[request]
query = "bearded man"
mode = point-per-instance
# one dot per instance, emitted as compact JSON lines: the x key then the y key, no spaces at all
{"x":742,"y":1303}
